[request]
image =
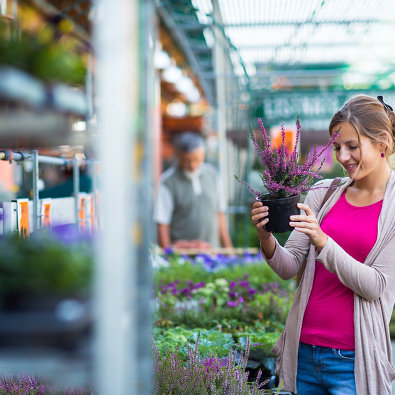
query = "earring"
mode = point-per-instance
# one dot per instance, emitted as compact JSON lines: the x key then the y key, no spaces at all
{"x":382,"y":154}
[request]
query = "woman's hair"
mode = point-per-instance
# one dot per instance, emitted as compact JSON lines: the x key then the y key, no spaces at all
{"x":370,"y":118}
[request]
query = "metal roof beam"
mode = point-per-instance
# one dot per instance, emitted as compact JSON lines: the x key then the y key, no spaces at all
{"x":192,"y":26}
{"x":307,"y":22}
{"x":182,"y":40}
{"x":296,"y":46}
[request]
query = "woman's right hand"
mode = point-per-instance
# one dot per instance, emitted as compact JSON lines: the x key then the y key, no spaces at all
{"x":259,"y":217}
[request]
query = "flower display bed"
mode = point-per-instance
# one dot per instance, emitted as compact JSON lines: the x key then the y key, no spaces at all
{"x":223,"y":307}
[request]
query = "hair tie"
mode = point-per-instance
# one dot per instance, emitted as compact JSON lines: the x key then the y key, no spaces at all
{"x":386,"y":106}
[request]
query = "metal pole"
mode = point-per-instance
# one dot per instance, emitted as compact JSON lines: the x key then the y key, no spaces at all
{"x":145,"y":186}
{"x":93,"y":173}
{"x":35,"y":172}
{"x":76,"y":184}
{"x":220,"y":69}
{"x":116,"y":40}
{"x":20,"y":156}
{"x":53,"y":161}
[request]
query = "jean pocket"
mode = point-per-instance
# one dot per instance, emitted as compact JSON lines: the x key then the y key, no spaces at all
{"x":346,"y":354}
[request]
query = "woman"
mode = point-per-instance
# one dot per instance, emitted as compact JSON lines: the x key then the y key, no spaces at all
{"x":336,"y":339}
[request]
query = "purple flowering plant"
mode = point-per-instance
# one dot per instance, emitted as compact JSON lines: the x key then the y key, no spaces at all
{"x":205,"y":376}
{"x":286,"y":174}
{"x":31,"y":385}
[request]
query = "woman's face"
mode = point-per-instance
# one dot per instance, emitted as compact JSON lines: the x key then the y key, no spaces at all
{"x":348,"y":152}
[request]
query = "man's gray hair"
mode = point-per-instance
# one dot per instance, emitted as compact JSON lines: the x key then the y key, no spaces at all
{"x":189,"y":142}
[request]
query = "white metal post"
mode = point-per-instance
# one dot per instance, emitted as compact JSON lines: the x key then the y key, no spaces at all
{"x":76,"y":188}
{"x":116,"y":38}
{"x":220,"y":72}
{"x":35,"y":174}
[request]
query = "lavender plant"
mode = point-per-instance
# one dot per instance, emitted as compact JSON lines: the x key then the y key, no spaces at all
{"x":210,"y":376}
{"x":285,"y":174}
{"x":30,"y":385}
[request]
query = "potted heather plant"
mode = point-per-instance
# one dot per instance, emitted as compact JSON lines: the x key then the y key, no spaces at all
{"x":285,"y":176}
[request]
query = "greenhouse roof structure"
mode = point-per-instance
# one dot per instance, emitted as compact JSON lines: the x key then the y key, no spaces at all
{"x":277,"y":47}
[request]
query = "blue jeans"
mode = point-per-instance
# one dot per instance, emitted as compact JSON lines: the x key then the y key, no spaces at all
{"x":324,"y":370}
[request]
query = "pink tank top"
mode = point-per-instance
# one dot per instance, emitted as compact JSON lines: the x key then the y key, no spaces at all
{"x":329,"y":317}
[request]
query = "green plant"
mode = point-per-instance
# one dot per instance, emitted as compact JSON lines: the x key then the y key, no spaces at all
{"x":42,"y":56}
{"x":42,"y":264}
{"x":183,"y":269}
{"x":211,"y":341}
{"x":213,"y":376}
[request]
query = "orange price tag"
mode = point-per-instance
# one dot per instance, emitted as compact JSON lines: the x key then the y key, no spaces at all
{"x":92,"y":213}
{"x":23,"y":217}
{"x":46,"y":212}
{"x":81,"y":213}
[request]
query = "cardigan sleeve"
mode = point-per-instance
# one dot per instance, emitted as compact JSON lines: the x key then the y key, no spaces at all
{"x":369,"y":282}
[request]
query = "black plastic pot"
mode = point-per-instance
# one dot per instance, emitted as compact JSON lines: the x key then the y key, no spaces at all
{"x":279,"y":212}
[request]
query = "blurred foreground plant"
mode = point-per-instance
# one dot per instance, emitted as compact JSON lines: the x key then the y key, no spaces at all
{"x":46,"y":263}
{"x":30,"y":385}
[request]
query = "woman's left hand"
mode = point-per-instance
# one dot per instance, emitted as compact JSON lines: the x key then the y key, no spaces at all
{"x":308,"y":224}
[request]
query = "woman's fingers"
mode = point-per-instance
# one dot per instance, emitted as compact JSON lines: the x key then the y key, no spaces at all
{"x":258,"y":215}
{"x":305,"y":208}
{"x":303,"y":225}
{"x":301,"y":218}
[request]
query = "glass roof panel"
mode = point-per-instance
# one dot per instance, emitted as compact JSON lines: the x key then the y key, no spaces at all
{"x":305,"y":32}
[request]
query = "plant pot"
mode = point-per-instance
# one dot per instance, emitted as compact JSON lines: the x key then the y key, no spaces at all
{"x":279,"y":212}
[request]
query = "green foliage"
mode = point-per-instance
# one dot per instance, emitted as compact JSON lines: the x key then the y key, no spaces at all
{"x":264,"y":296}
{"x":42,"y":56}
{"x":264,"y":307}
{"x":240,"y":234}
{"x":260,"y":339}
{"x":40,"y":265}
{"x":223,"y":307}
{"x":211,"y":341}
{"x":180,"y":269}
{"x":183,"y":270}
{"x":392,"y":325}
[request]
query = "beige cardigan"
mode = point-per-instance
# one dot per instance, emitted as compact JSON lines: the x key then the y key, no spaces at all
{"x":373,"y":284}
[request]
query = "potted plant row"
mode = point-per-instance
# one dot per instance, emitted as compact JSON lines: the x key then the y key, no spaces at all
{"x":45,"y":285}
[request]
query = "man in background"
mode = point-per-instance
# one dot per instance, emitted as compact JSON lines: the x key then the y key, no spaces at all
{"x":189,"y":208}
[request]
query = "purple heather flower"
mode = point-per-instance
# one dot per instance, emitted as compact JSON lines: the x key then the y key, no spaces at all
{"x":232,"y":303}
{"x":283,"y":174}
